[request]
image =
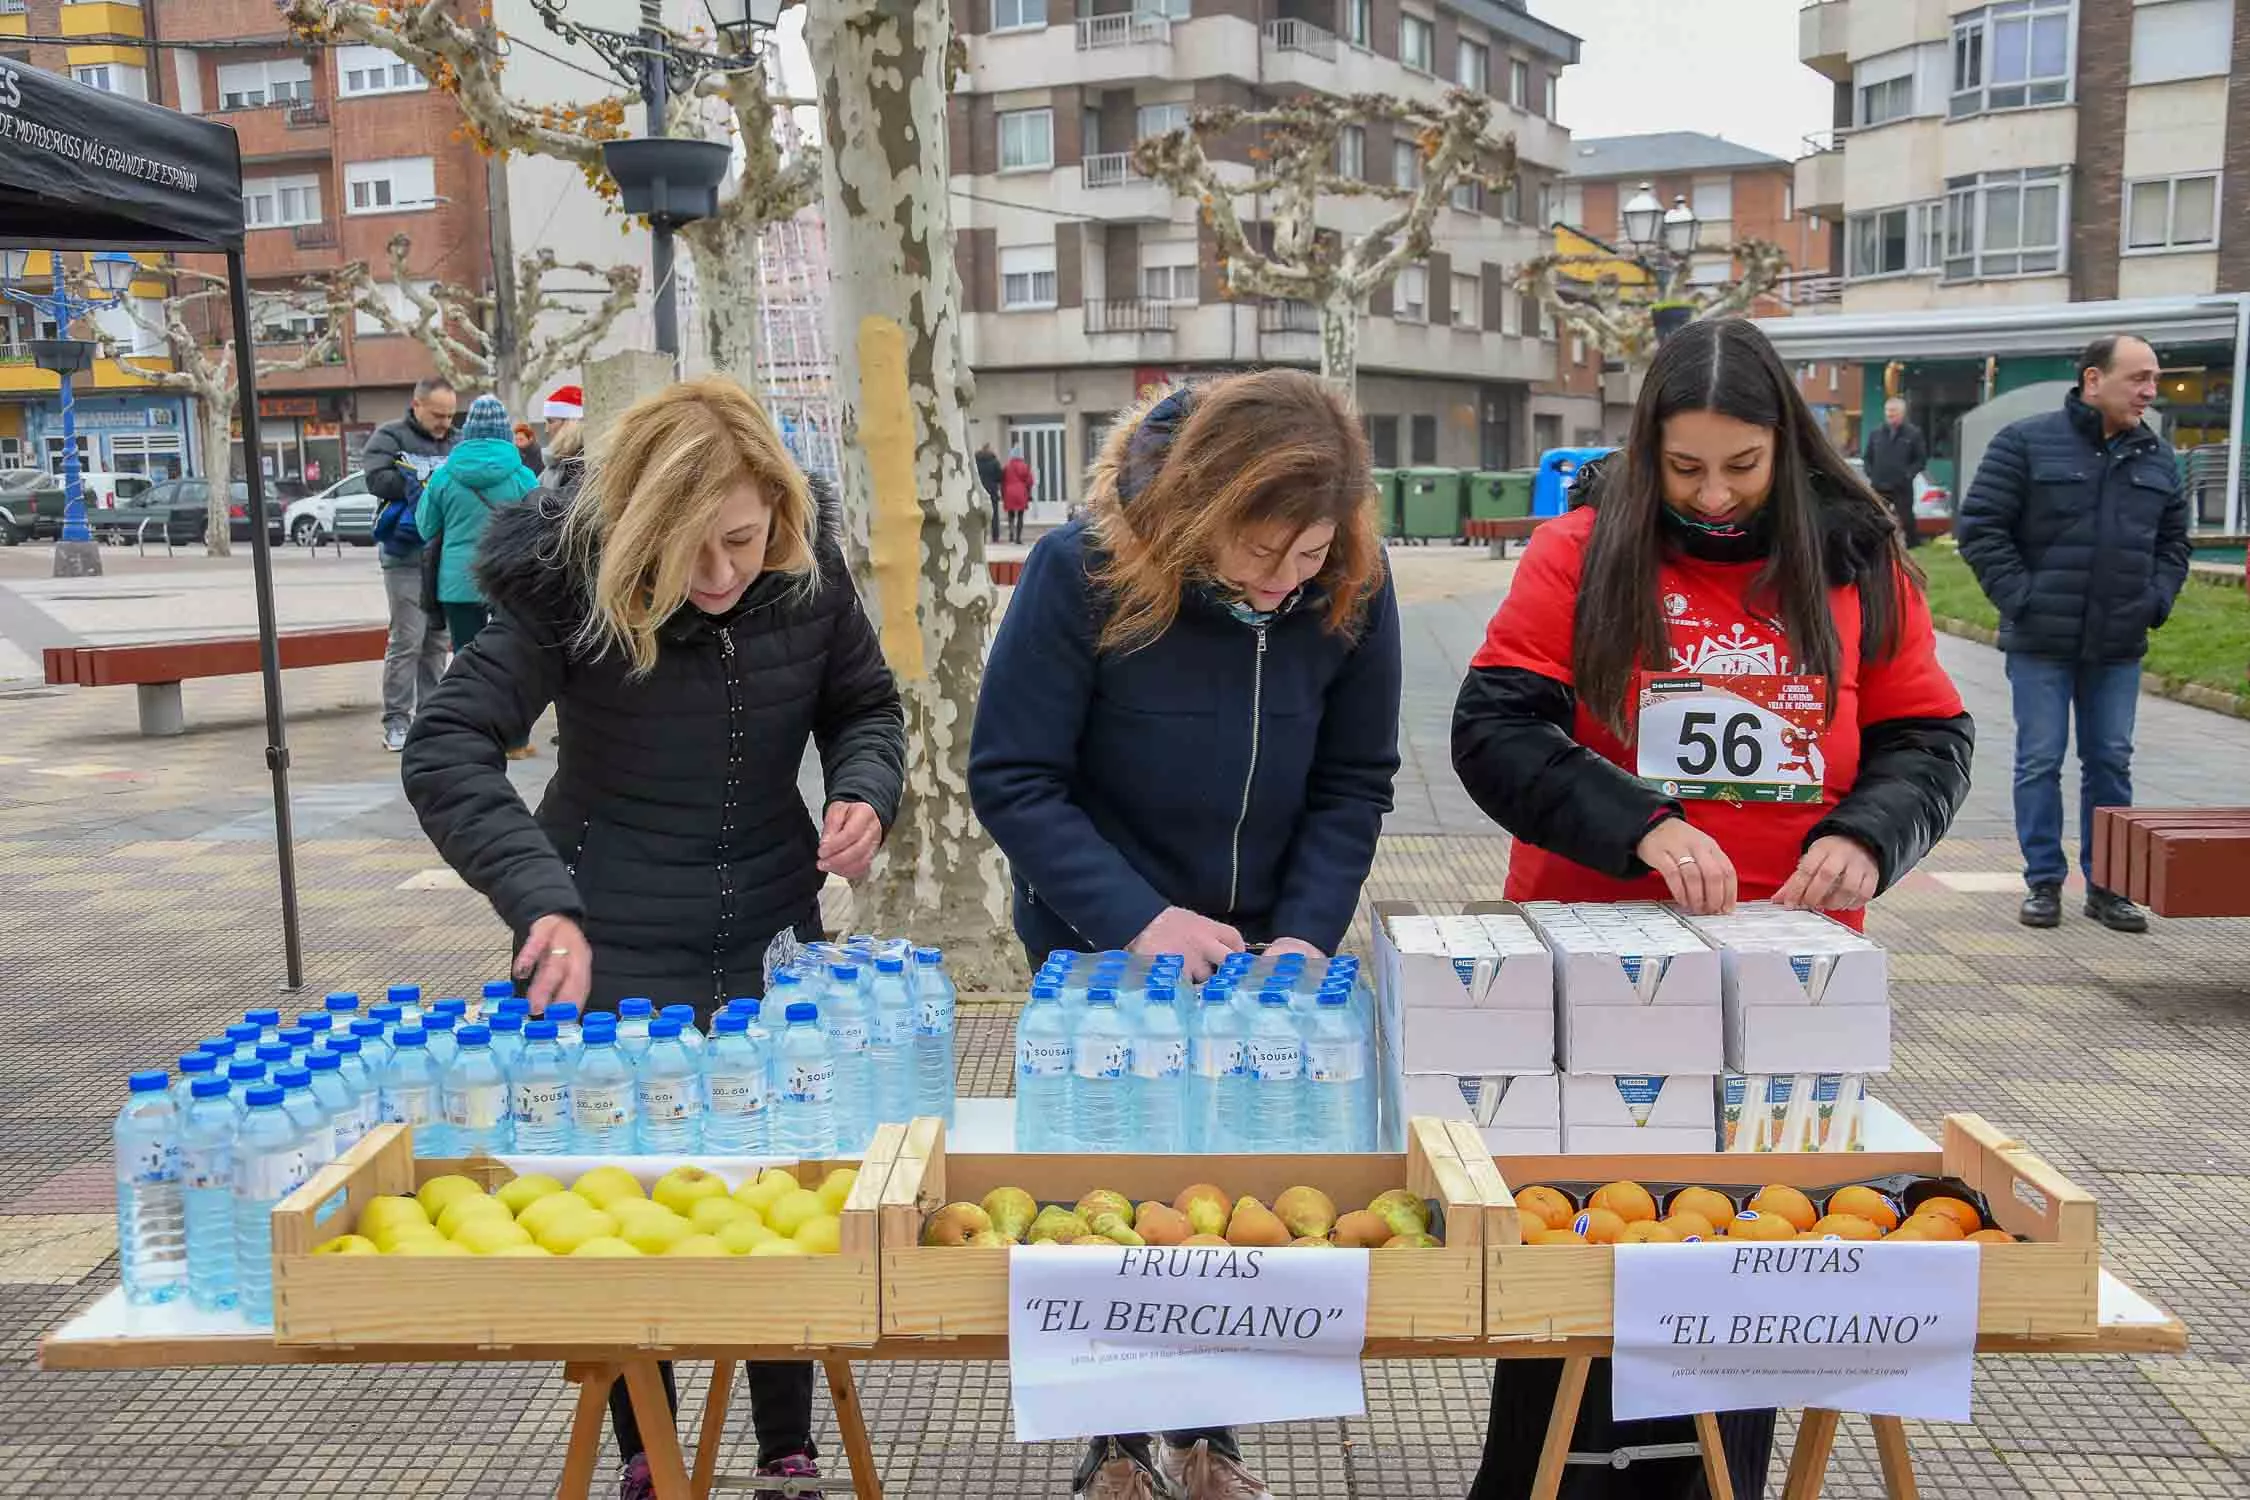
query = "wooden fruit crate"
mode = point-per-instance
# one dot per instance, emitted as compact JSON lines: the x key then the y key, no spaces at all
{"x":940,"y":1293}
{"x":653,"y":1302}
{"x":2047,"y":1287}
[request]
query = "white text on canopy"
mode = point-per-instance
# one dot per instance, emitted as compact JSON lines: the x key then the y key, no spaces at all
{"x":1149,"y":1338}
{"x":1847,"y":1325}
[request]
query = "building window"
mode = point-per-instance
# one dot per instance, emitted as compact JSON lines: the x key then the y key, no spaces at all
{"x":1359,"y":22}
{"x":1153,"y":120}
{"x":1578,"y":349}
{"x":2182,"y":39}
{"x":1519,"y":83}
{"x":1573,"y":210}
{"x":2005,"y":224}
{"x":1511,"y":315}
{"x":1417,"y":42}
{"x":1709,"y":270}
{"x":272,"y":202}
{"x":1464,"y":197}
{"x":1892,"y":99}
{"x":1411,"y":300}
{"x":94,"y":76}
{"x":2173,"y":213}
{"x":1511,"y":201}
{"x":1907,"y":240}
{"x":396,"y":298}
{"x":252,"y":85}
{"x":1382,"y":441}
{"x":1467,"y":309}
{"x":1421,"y":439}
{"x":112,"y":78}
{"x":1017,"y":15}
{"x":1549,"y":110}
{"x":1406,"y":164}
{"x":287,"y":325}
{"x":1531,"y":326}
{"x":1027,"y":139}
{"x":1351,"y":153}
{"x":1168,"y":271}
{"x":361,"y":71}
{"x":2012,"y":56}
{"x":1712,"y":199}
{"x":1472,"y":66}
{"x":375,"y":187}
{"x":1027,"y":276}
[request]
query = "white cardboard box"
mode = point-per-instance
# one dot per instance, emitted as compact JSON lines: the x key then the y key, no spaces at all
{"x":1636,"y":992}
{"x":1444,"y":960}
{"x":1518,"y":1114}
{"x":1610,"y":1113}
{"x":1444,"y":1040}
{"x":1802,"y":993}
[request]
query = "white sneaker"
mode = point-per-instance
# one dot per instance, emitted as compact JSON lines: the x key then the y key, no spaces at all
{"x":394,"y":738}
{"x":1202,"y":1474}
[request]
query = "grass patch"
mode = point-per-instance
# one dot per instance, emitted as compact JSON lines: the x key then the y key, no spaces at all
{"x":2206,"y":642}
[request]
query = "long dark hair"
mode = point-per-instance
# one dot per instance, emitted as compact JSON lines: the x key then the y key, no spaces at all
{"x":1818,"y":506}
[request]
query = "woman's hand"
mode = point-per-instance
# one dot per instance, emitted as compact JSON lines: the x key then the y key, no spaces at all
{"x":1198,"y":939}
{"x":557,"y":962}
{"x":1836,"y":874}
{"x":1299,"y":946}
{"x":849,"y":837}
{"x":1695,"y":869}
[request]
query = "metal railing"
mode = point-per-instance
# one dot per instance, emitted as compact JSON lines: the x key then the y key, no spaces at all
{"x":314,"y":236}
{"x":1822,"y":141}
{"x":1288,"y":315}
{"x":305,"y":113}
{"x":1816,"y":290}
{"x":1108,"y":169}
{"x":1128,"y":315}
{"x":13,"y":7}
{"x":1288,"y":35}
{"x":1125,"y":29}
{"x":14,"y":353}
{"x":164,"y":529}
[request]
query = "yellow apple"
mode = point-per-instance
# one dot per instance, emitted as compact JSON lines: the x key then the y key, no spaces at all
{"x":527,"y":1249}
{"x":744,"y":1235}
{"x":791,"y":1210}
{"x":603,"y":1246}
{"x":778,"y":1247}
{"x":770,"y":1185}
{"x":381,"y":1213}
{"x":519,"y":1193}
{"x":569,"y":1233}
{"x":347,"y":1244}
{"x":391,"y":1237}
{"x":836,"y":1187}
{"x":430,"y":1247}
{"x":604,"y":1183}
{"x":439,"y":1191}
{"x":484,"y":1235}
{"x":463,"y":1211}
{"x":697,"y":1244}
{"x":684,"y":1187}
{"x":653,"y":1235}
{"x":627,"y":1210}
{"x":822,"y":1234}
{"x":714,"y":1214}
{"x":553,"y":1208}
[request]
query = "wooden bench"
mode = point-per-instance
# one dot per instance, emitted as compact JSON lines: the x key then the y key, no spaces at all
{"x":157,"y":668}
{"x":2176,"y":861}
{"x":1500,"y":530}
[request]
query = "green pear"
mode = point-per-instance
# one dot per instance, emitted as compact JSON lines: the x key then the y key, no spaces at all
{"x":1114,"y":1226}
{"x":1012,"y":1211}
{"x":1053,"y":1224}
{"x":1405,"y":1212}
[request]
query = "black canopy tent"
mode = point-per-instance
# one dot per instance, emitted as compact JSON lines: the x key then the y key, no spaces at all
{"x":81,"y":169}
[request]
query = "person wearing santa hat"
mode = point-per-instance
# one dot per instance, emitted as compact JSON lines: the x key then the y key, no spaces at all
{"x":565,"y":412}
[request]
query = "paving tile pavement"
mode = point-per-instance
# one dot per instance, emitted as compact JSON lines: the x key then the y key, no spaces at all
{"x":138,"y":912}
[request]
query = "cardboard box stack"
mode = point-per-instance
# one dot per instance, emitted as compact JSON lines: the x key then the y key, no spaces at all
{"x":1465,"y":1016}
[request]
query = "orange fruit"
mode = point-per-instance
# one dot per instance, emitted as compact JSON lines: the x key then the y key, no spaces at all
{"x":1553,"y":1237}
{"x":1649,"y":1232}
{"x":1687,"y":1221}
{"x":1599,"y":1226}
{"x":1845,"y":1226}
{"x":1961,"y":1213}
{"x":1936,"y":1226}
{"x":1546,"y":1205}
{"x":1716,"y":1207}
{"x":1761,"y":1224}
{"x":1628,"y":1200}
{"x":1788,"y":1203}
{"x":1992,"y":1237}
{"x":1865,"y":1203}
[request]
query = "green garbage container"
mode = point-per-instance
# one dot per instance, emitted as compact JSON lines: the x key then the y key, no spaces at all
{"x":1431,"y":503}
{"x":1386,"y":499}
{"x":1500,"y":494}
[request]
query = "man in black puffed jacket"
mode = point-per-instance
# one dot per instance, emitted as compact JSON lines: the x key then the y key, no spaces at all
{"x":2077,"y":529}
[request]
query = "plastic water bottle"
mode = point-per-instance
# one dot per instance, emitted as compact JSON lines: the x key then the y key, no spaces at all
{"x":804,"y":1102}
{"x":410,"y":1092}
{"x":243,"y":1075}
{"x":266,"y":1163}
{"x":633,"y":1016}
{"x":441,"y":1038}
{"x":346,"y":1111}
{"x":268,"y":1022}
{"x":1101,"y":1060}
{"x":1275,"y":1055}
{"x":1043,"y":1071}
{"x":374,"y":1044}
{"x":389,"y":1015}
{"x":343,"y":1005}
{"x":193,"y":1065}
{"x":319,"y":1023}
{"x":299,"y":1041}
{"x":567,"y":1030}
{"x":245,"y":1038}
{"x":667,"y":1090}
{"x":408,"y":999}
{"x":890,"y":1042}
{"x":935,"y":1004}
{"x":451,"y":1005}
{"x":601,"y":1093}
{"x":219,"y":1047}
{"x":506,"y":1032}
{"x":1218,"y":1076}
{"x":207,"y":1191}
{"x":473,"y":1093}
{"x":316,"y":1133}
{"x":539,"y":1122}
{"x":1336,"y":1067}
{"x":691,"y":1036}
{"x":151,"y":1221}
{"x":845,"y":1016}
{"x":737,"y":1082}
{"x":495,"y":991}
{"x":351,"y":1066}
{"x":1160,"y":1074}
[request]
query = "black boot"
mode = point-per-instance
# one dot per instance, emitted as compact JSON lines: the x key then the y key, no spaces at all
{"x":2114,"y":911}
{"x":2043,"y":907}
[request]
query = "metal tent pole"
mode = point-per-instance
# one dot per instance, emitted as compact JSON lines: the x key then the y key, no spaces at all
{"x":269,"y":629}
{"x":2235,"y":435}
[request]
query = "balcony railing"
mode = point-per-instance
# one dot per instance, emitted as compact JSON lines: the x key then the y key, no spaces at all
{"x":1109,"y":169}
{"x":1128,"y":315}
{"x":1823,"y":141}
{"x":1818,"y":290}
{"x":1126,"y":29}
{"x":1287,"y":35}
{"x":12,"y":352}
{"x":13,"y":7}
{"x":1288,"y":315}
{"x":305,"y":113}
{"x":314,"y":236}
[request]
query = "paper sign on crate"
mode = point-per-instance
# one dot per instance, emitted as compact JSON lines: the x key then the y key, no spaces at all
{"x":1886,"y":1329}
{"x":1156,"y":1338}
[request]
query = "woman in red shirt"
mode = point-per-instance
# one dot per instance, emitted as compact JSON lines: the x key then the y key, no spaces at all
{"x":1713,"y":681}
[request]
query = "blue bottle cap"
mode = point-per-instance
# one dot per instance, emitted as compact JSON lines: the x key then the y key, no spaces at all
{"x":510,"y":1021}
{"x":1334,"y":997}
{"x":801,"y":1011}
{"x":149,"y":1081}
{"x":209,"y":1088}
{"x":1161,"y":994}
{"x":322,"y":1062}
{"x":748,"y":1008}
{"x":663,"y":1029}
{"x":1113,"y":955}
{"x":262,"y":1017}
{"x":634,"y":1006}
{"x":198,"y":1062}
{"x":542,"y":1030}
{"x":475,"y":1036}
{"x":451,"y":1005}
{"x":1274,"y":997}
{"x":731,"y":1023}
{"x":601,"y":1026}
{"x":298,"y":1038}
{"x":512,"y":1005}
{"x":929,"y":955}
{"x":440,"y":1020}
{"x":341,"y":1001}
{"x":344,"y":1046}
{"x":272,"y":1052}
{"x":1101,"y":997}
{"x":560,"y":1013}
{"x":367,"y":1027}
{"x":411,"y":1036}
{"x":265,"y":1096}
{"x":890,"y":963}
{"x":403,"y":994}
{"x":316,"y":1020}
{"x":1216,"y":993}
{"x":1046,"y":992}
{"x":245,"y":1072}
{"x":217,"y":1046}
{"x":293,"y":1078}
{"x":681,"y":1013}
{"x":499,"y":989}
{"x":844,"y":973}
{"x":387,"y":1014}
{"x":242,"y":1031}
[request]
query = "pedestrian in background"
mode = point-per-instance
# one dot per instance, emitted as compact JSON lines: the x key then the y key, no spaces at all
{"x":1895,"y":454}
{"x":1016,"y":485}
{"x":988,"y":475}
{"x":527,"y":448}
{"x":483,"y":474}
{"x":2077,"y":530}
{"x":399,"y":459}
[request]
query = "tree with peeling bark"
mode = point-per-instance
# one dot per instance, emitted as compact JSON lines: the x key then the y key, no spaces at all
{"x":196,"y":301}
{"x":456,"y":323}
{"x":1585,"y":294}
{"x":1294,"y":170}
{"x":459,"y":56}
{"x":903,"y":388}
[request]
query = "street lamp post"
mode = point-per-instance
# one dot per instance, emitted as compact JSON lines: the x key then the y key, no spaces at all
{"x":1663,"y":241}
{"x":77,"y":555}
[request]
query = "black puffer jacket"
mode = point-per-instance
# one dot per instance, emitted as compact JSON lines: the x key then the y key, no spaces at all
{"x":673,"y":829}
{"x":2081,"y":544}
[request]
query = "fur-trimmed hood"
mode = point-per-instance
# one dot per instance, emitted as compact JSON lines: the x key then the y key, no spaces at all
{"x":1856,"y":528}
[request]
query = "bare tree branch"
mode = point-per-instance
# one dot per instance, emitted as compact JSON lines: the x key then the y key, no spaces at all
{"x":1583,"y":292}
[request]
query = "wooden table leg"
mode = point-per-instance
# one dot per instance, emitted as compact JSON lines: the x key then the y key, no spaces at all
{"x":660,"y":1432}
{"x":1716,"y":1477}
{"x":1569,"y":1392}
{"x":852,"y":1424}
{"x":1898,"y":1464}
{"x":712,"y":1429}
{"x":1808,"y":1465}
{"x":594,"y":1382}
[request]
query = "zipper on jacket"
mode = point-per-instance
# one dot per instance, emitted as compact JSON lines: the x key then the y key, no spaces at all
{"x":1249,"y":777}
{"x":725,"y":934}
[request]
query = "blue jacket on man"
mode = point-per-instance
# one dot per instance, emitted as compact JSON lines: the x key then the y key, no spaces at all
{"x":1239,"y":771}
{"x":2080,"y":542}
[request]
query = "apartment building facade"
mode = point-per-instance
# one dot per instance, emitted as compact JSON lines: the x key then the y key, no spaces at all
{"x":2020,"y":156}
{"x":1084,"y":284}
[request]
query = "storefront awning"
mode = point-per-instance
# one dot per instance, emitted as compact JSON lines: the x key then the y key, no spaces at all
{"x":1974,"y":332}
{"x":82,"y":169}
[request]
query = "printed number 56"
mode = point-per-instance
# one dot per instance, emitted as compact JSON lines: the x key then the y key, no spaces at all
{"x":1737,"y":744}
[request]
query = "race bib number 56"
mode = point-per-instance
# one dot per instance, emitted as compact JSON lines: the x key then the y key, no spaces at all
{"x":1753,"y":738}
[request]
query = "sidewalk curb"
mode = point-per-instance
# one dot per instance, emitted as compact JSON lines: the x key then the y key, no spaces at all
{"x":2194,"y":694}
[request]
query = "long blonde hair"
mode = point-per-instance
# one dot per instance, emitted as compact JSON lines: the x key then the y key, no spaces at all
{"x":651,"y":495}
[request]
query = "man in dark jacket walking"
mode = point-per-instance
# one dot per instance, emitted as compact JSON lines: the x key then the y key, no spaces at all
{"x":1894,"y":456}
{"x":988,"y":475}
{"x":2077,"y":529}
{"x":398,"y":461}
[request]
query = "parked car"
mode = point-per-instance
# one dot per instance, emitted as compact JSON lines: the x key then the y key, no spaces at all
{"x":35,"y":512}
{"x":182,"y":506}
{"x":343,"y":510}
{"x":1930,"y":499}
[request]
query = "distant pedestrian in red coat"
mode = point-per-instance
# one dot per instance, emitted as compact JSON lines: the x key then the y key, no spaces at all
{"x":1016,"y":481}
